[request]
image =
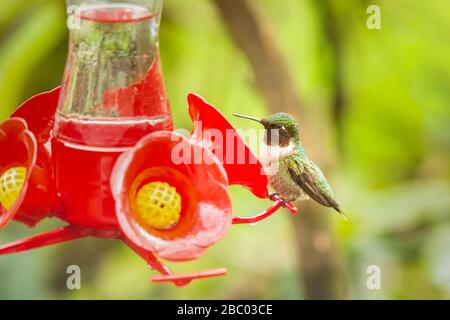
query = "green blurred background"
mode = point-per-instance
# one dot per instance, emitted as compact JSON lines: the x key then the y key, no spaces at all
{"x":374,"y":108}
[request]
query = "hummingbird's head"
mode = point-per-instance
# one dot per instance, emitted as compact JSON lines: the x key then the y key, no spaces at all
{"x":281,"y":128}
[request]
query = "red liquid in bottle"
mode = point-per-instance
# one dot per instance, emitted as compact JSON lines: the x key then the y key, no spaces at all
{"x":113,"y":95}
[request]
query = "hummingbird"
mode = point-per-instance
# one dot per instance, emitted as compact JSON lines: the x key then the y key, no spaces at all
{"x":295,"y":177}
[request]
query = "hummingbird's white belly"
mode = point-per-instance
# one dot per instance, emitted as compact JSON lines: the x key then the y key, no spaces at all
{"x":282,"y":183}
{"x":274,"y":160}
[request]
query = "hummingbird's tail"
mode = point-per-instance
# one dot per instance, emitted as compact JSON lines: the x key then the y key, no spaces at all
{"x":337,"y":207}
{"x":343,"y":215}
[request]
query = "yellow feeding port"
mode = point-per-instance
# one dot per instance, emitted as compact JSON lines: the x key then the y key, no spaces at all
{"x":158,"y":205}
{"x":11,"y":184}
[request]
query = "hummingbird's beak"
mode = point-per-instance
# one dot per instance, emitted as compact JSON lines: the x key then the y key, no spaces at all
{"x":249,"y":118}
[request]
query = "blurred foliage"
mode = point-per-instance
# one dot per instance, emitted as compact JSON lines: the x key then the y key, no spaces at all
{"x":392,"y":180}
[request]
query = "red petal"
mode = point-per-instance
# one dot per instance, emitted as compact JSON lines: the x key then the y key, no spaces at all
{"x":39,"y":113}
{"x":248,"y":173}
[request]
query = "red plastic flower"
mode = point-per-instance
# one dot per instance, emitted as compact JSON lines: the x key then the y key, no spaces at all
{"x":206,"y":211}
{"x":27,"y":194}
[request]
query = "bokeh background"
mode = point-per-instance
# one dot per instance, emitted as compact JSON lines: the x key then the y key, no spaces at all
{"x":374,"y":110}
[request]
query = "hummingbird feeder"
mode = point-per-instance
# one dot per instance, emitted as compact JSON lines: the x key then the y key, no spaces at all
{"x":100,"y":152}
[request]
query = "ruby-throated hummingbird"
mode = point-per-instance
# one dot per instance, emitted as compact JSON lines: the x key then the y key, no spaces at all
{"x":291,"y":173}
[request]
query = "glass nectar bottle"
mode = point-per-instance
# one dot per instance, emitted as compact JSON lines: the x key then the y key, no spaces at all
{"x":112,"y":95}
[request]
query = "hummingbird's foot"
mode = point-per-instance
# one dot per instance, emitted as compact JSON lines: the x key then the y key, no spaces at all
{"x":285,"y":203}
{"x":276,"y":197}
{"x":273,"y":196}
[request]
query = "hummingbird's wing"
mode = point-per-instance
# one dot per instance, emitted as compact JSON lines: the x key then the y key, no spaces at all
{"x":312,"y":181}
